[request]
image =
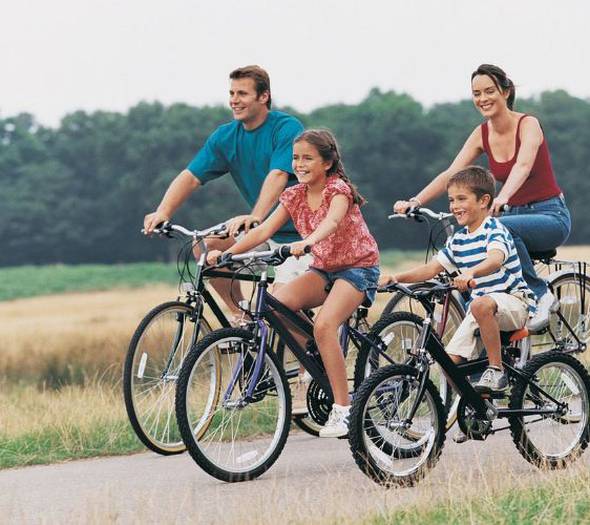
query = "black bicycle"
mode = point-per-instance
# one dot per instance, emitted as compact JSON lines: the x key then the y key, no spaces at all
{"x":398,"y":421}
{"x":233,"y":405}
{"x":164,"y":337}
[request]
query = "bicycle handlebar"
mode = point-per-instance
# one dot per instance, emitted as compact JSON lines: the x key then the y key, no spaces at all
{"x":272,"y":257}
{"x":418,"y":212}
{"x":220,"y":230}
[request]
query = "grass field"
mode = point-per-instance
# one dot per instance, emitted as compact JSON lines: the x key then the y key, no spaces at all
{"x":61,"y":354}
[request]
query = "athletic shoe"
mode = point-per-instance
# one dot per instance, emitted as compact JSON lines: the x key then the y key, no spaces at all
{"x":337,"y":425}
{"x":493,"y":380}
{"x":545,"y":305}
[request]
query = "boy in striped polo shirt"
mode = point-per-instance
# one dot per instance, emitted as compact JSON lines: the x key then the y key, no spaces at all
{"x":483,"y":252}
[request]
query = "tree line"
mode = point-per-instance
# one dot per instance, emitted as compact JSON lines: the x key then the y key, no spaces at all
{"x":78,"y":193}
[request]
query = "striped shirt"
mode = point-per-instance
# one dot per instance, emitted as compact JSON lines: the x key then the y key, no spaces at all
{"x":466,"y":249}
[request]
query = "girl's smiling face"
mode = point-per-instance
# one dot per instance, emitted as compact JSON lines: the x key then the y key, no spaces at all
{"x":308,"y":165}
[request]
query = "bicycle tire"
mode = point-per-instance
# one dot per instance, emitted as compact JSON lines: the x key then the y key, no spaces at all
{"x":144,"y":341}
{"x":531,"y":438}
{"x":214,"y":457}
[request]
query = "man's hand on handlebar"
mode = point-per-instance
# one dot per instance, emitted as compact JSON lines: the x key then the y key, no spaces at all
{"x":152,"y":220}
{"x":241,"y":221}
{"x":213,"y":256}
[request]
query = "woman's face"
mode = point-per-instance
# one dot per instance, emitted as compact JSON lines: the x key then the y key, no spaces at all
{"x":488,"y":99}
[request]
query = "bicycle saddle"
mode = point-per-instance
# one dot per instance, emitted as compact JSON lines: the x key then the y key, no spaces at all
{"x":541,"y":256}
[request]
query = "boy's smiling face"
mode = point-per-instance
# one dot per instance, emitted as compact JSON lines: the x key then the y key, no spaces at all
{"x":468,"y":209}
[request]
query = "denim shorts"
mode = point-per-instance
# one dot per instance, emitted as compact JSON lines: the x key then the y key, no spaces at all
{"x":363,"y":279}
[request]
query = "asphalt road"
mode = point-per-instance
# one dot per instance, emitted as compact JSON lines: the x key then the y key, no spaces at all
{"x":314,"y":479}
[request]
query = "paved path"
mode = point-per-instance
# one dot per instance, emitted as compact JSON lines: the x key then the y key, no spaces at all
{"x":313,"y":479}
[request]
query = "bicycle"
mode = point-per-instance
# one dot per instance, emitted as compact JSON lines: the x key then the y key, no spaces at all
{"x":548,"y":406}
{"x":164,"y":337}
{"x":235,"y":424}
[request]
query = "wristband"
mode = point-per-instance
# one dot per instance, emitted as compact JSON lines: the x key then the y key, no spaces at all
{"x":416,"y":200}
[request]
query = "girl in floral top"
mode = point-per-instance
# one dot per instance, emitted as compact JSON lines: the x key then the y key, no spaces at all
{"x":325,"y":210}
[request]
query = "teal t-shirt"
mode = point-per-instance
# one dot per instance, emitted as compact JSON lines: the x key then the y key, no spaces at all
{"x":249,"y":155}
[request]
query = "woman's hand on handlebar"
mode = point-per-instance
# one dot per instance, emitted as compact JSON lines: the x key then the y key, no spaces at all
{"x":298,"y":248}
{"x":406,"y":206}
{"x":213,"y":256}
{"x":152,"y":220}
{"x":498,"y":205}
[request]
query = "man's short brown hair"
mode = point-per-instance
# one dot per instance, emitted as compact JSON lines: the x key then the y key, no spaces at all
{"x":258,"y":75}
{"x":479,"y":180}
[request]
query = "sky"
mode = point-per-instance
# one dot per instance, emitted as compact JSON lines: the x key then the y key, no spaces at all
{"x":63,"y":55}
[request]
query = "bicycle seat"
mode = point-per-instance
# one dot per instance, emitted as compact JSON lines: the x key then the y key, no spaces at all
{"x":508,"y":337}
{"x":541,"y":256}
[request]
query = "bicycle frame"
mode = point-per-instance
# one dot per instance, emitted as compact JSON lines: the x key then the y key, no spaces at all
{"x":268,"y":308}
{"x":429,"y":343}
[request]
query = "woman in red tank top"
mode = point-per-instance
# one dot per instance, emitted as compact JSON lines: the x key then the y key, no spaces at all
{"x":518,"y":158}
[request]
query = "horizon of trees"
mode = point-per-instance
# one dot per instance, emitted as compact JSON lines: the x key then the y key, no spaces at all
{"x":78,"y":193}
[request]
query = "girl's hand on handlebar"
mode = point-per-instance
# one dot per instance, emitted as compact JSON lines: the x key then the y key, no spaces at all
{"x":241,"y":221}
{"x":212,"y":256}
{"x":298,"y":248}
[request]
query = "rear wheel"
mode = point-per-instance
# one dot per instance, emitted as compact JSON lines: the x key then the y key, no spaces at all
{"x":560,"y":384}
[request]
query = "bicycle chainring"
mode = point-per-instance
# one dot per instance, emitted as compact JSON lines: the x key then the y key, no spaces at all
{"x":318,"y":403}
{"x":470,"y":424}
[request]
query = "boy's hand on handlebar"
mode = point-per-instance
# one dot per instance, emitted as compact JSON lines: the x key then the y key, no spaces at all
{"x":386,"y":279}
{"x":403,"y":206}
{"x":212,"y":256}
{"x":464,"y":281}
{"x":298,"y":248}
{"x":241,"y":221}
{"x":151,"y":220}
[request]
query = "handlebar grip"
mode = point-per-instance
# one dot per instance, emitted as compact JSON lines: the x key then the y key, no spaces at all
{"x":285,"y":251}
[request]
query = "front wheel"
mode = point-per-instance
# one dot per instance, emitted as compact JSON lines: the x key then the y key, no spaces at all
{"x":156,"y":351}
{"x":559,"y":384}
{"x":233,"y":412}
{"x":381,"y":433}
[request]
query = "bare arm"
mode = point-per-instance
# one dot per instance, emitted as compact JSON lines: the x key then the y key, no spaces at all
{"x":490,"y":264}
{"x":420,"y":273}
{"x":274,"y":184}
{"x":178,"y":191}
{"x":531,"y":138}
{"x":469,"y":152}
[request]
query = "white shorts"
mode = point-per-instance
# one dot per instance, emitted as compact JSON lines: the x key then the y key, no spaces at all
{"x":512,"y":314}
{"x":292,"y":267}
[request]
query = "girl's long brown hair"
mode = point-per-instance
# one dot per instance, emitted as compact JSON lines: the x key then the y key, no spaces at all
{"x":324,"y":141}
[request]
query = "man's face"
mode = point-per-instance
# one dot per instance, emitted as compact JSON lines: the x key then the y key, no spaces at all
{"x":245,"y":104}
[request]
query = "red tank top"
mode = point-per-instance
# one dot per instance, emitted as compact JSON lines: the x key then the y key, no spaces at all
{"x":540,"y":185}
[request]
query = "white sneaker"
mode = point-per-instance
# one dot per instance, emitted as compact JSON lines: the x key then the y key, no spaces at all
{"x":545,"y":305}
{"x":337,"y":425}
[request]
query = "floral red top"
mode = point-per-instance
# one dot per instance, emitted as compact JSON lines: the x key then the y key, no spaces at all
{"x":350,"y":246}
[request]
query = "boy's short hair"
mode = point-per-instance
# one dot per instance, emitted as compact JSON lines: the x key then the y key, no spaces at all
{"x":479,"y":180}
{"x":258,"y":75}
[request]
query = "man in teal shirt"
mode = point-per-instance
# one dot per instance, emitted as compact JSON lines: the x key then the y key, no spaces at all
{"x":256,"y":149}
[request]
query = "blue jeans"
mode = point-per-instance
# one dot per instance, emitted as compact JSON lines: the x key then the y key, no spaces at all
{"x":537,"y":227}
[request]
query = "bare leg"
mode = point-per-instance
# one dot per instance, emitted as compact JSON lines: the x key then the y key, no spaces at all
{"x":484,"y":311}
{"x":341,"y":302}
{"x":224,"y":286}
